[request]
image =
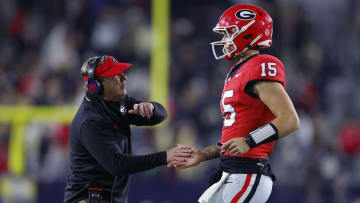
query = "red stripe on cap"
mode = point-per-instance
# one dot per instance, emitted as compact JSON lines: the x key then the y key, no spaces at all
{"x":243,"y":189}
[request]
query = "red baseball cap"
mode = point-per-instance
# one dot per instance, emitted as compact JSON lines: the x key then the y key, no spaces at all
{"x":111,"y":67}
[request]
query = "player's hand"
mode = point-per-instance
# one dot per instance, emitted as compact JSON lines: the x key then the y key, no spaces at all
{"x":143,"y":109}
{"x":178,"y":154}
{"x":236,"y":146}
{"x":195,"y":158}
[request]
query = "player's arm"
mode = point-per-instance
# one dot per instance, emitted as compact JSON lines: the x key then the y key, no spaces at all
{"x":210,"y":152}
{"x":274,"y":96}
{"x":198,"y":156}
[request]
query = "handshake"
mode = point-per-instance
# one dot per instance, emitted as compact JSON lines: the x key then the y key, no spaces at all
{"x":183,"y":156}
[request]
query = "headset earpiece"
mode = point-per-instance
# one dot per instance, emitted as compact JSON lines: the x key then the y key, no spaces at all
{"x":94,"y":86}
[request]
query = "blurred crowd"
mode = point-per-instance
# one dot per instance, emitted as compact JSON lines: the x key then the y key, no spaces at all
{"x":43,"y":44}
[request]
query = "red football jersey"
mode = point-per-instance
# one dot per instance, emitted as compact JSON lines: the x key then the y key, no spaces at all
{"x":243,"y":113}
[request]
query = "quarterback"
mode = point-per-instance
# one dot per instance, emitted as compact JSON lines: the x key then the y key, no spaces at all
{"x":255,"y":107}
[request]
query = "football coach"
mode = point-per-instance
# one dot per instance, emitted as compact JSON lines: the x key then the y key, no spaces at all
{"x":100,"y":143}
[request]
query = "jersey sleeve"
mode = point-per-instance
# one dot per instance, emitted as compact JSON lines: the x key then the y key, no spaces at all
{"x":264,"y":68}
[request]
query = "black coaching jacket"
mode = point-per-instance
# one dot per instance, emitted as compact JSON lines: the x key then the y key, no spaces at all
{"x":100,"y":148}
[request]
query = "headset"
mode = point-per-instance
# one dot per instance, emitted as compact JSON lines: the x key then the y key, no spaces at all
{"x":94,"y":86}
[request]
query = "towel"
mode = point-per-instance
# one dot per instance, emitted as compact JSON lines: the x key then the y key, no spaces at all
{"x":206,"y":196}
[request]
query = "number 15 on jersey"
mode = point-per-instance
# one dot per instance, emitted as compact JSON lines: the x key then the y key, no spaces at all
{"x":268,"y":69}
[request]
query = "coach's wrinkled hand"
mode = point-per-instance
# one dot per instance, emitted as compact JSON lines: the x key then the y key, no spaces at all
{"x":178,"y":153}
{"x":143,"y":109}
{"x":236,"y":146}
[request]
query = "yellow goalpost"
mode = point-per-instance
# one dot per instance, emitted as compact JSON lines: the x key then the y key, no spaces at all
{"x":19,"y":117}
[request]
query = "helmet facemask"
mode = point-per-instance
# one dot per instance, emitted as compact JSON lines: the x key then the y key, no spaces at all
{"x":229,"y":47}
{"x":227,"y":43}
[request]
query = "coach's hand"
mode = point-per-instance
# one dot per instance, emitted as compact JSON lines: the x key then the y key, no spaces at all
{"x":178,"y":154}
{"x":194,"y":159}
{"x":143,"y":109}
{"x":236,"y":146}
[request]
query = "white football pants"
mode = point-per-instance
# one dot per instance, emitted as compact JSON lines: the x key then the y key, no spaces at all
{"x":244,"y":188}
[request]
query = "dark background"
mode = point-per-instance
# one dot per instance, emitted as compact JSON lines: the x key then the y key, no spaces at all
{"x":43,"y":44}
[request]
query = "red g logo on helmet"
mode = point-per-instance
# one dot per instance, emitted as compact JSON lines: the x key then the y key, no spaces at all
{"x":245,"y":14}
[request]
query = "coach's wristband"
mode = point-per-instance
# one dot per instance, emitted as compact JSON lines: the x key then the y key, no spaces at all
{"x":264,"y":134}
